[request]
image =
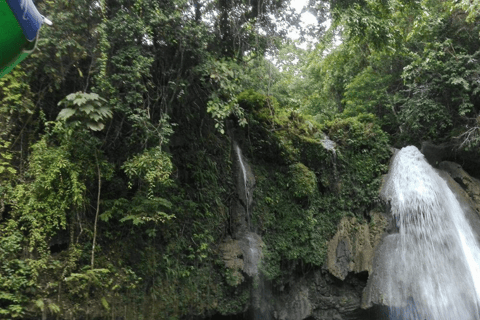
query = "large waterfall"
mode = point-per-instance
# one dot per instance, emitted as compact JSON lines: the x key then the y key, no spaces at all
{"x":433,"y":265}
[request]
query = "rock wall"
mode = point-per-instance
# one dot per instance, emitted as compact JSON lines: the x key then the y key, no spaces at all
{"x":341,"y":289}
{"x":352,"y":247}
{"x":320,"y":295}
{"x":335,"y":292}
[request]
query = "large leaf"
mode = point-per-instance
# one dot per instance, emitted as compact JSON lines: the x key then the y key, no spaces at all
{"x":87,"y":108}
{"x":66,"y":113}
{"x":95,"y":126}
{"x":106,"y":112}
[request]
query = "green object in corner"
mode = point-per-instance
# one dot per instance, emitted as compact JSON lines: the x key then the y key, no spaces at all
{"x":14,"y":46}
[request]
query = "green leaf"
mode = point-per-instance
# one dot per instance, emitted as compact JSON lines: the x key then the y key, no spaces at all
{"x":71,"y":97}
{"x":105,"y":303}
{"x":80,"y":100}
{"x":106,"y":112}
{"x":87,"y":108}
{"x":95,"y":116}
{"x":65,"y":113}
{"x":54,"y":308}
{"x":95,"y":126}
{"x":135,"y":219}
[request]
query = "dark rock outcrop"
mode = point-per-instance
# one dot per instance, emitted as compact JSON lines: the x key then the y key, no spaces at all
{"x":319,"y":295}
{"x":437,"y":153}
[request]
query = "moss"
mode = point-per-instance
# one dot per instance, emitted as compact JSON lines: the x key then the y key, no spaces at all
{"x":304,"y":181}
{"x":304,"y":189}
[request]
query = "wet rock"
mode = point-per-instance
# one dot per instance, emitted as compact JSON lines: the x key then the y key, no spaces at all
{"x":319,"y":295}
{"x":295,"y":305}
{"x":353,"y":246}
{"x":469,"y":184}
{"x":232,"y":255}
{"x":466,"y":190}
{"x":388,"y":285}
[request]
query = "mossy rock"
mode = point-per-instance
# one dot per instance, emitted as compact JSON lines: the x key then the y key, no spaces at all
{"x":304,"y":181}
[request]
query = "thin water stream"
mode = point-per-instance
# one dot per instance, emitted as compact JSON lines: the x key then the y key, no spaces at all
{"x":244,"y":171}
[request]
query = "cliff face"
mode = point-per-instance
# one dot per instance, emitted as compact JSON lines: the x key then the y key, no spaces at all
{"x":353,"y":246}
{"x":301,"y":212}
{"x":335,"y":290}
{"x":343,"y":288}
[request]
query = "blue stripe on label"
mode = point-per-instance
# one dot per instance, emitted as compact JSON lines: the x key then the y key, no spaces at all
{"x":28,"y":17}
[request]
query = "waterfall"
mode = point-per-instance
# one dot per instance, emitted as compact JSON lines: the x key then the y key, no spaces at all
{"x":433,"y":264}
{"x":252,"y":257}
{"x":251,"y":243}
{"x":245,"y":185}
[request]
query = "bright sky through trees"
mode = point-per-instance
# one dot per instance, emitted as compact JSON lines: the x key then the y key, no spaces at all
{"x":306,"y":19}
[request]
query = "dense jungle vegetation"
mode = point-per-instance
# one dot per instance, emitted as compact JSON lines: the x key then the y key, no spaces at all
{"x":116,"y":165}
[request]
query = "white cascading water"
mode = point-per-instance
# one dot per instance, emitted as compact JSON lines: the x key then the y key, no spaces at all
{"x":435,"y":267}
{"x":252,"y":248}
{"x":244,"y":171}
{"x":252,"y":257}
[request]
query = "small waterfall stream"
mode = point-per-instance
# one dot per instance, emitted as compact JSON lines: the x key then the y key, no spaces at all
{"x":244,"y":171}
{"x":432,"y":270}
{"x":251,"y":243}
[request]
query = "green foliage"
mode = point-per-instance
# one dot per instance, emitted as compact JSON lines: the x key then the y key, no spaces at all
{"x":80,"y":283}
{"x":304,"y":181}
{"x":16,"y":276}
{"x":409,"y":63}
{"x":46,"y":203}
{"x":370,"y":23}
{"x":304,"y":188}
{"x":443,"y":91}
{"x":224,"y":75}
{"x":14,"y":95}
{"x":472,"y":8}
{"x":264,"y":108}
{"x":57,"y":188}
{"x":152,"y":166}
{"x":329,"y":76}
{"x":87,"y":108}
{"x":6,"y":168}
{"x":171,"y":75}
{"x":367,"y":93}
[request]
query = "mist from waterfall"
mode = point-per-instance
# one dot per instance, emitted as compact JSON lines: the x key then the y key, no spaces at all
{"x":434,"y":270}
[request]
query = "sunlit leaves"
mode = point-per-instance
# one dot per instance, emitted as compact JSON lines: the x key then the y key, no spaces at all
{"x":471,"y":7}
{"x":152,"y":167}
